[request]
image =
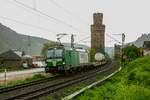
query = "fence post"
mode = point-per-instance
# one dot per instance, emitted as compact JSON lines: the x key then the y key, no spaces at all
{"x":5,"y":77}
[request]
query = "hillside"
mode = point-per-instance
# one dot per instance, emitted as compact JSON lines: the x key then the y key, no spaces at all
{"x":131,"y":83}
{"x":10,"y":39}
{"x":139,"y":42}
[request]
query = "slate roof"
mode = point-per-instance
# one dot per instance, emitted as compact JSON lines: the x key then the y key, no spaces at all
{"x":10,"y":55}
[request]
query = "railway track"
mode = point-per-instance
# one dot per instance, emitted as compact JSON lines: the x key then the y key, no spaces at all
{"x":37,"y":89}
{"x":7,"y":89}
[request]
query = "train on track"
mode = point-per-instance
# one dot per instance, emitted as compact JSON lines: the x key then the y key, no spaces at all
{"x":61,"y":60}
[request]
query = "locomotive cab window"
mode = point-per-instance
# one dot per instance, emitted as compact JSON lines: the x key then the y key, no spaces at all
{"x":50,"y":53}
{"x":58,"y":53}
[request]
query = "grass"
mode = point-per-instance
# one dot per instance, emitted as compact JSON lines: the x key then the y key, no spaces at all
{"x":71,"y":90}
{"x":66,"y":92}
{"x":27,"y":80}
{"x":131,"y":83}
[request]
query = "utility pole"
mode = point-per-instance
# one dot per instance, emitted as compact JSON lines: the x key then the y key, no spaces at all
{"x":122,"y":52}
{"x":123,"y":41}
{"x":72,"y":40}
{"x":29,"y":45}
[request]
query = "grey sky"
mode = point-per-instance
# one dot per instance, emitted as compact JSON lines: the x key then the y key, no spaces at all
{"x":129,"y":16}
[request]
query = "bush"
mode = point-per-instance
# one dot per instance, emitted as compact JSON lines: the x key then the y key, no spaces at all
{"x":132,"y":52}
{"x":131,"y":83}
{"x":36,"y":77}
{"x":132,"y":92}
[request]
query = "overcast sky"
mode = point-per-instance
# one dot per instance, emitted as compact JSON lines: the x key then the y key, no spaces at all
{"x":76,"y":16}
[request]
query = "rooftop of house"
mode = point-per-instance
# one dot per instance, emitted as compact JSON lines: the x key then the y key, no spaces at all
{"x":14,"y":55}
{"x":10,"y":55}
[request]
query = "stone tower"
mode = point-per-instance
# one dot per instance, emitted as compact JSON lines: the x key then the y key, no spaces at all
{"x":98,"y":33}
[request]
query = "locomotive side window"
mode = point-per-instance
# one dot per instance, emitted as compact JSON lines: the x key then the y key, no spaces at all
{"x":50,"y":53}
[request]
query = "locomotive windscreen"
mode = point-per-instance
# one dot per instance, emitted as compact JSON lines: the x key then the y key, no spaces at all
{"x":54,"y":53}
{"x":58,"y":53}
{"x":50,"y":53}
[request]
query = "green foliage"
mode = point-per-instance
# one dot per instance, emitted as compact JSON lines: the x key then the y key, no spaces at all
{"x":131,"y":83}
{"x":49,"y":98}
{"x":70,"y":90}
{"x":92,"y":55}
{"x":132,"y":52}
{"x":132,"y":92}
{"x":46,"y":46}
{"x":36,"y":77}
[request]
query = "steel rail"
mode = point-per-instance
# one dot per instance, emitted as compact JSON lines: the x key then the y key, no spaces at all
{"x":11,"y":88}
{"x":55,"y":87}
{"x":79,"y":92}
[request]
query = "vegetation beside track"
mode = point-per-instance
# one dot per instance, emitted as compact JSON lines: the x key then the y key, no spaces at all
{"x":36,"y":77}
{"x":71,"y":89}
{"x":2,"y":69}
{"x":66,"y":92}
{"x":131,"y":83}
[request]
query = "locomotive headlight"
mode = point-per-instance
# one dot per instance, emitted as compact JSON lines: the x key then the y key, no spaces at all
{"x":63,"y":62}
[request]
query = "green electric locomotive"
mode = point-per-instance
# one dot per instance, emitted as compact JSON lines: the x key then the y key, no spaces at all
{"x":60,"y":59}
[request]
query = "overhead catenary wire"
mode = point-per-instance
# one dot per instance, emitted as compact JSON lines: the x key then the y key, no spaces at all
{"x":106,"y":34}
{"x":50,"y":17}
{"x":53,"y":18}
{"x":83,"y":39}
{"x":26,"y":24}
{"x":34,"y":4}
{"x":31,"y":11}
{"x":68,"y":11}
{"x":113,"y":38}
{"x":25,"y":9}
{"x":38,"y":27}
{"x":78,"y":18}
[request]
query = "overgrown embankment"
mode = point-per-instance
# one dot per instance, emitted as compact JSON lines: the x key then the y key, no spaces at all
{"x":131,"y":83}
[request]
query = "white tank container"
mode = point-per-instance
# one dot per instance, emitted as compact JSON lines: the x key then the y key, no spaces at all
{"x":99,"y":56}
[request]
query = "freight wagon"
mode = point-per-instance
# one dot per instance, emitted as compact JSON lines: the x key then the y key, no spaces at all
{"x":61,"y":60}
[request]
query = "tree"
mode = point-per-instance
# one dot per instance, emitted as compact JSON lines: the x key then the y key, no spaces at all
{"x":46,"y":46}
{"x":92,"y":54}
{"x":132,"y":52}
